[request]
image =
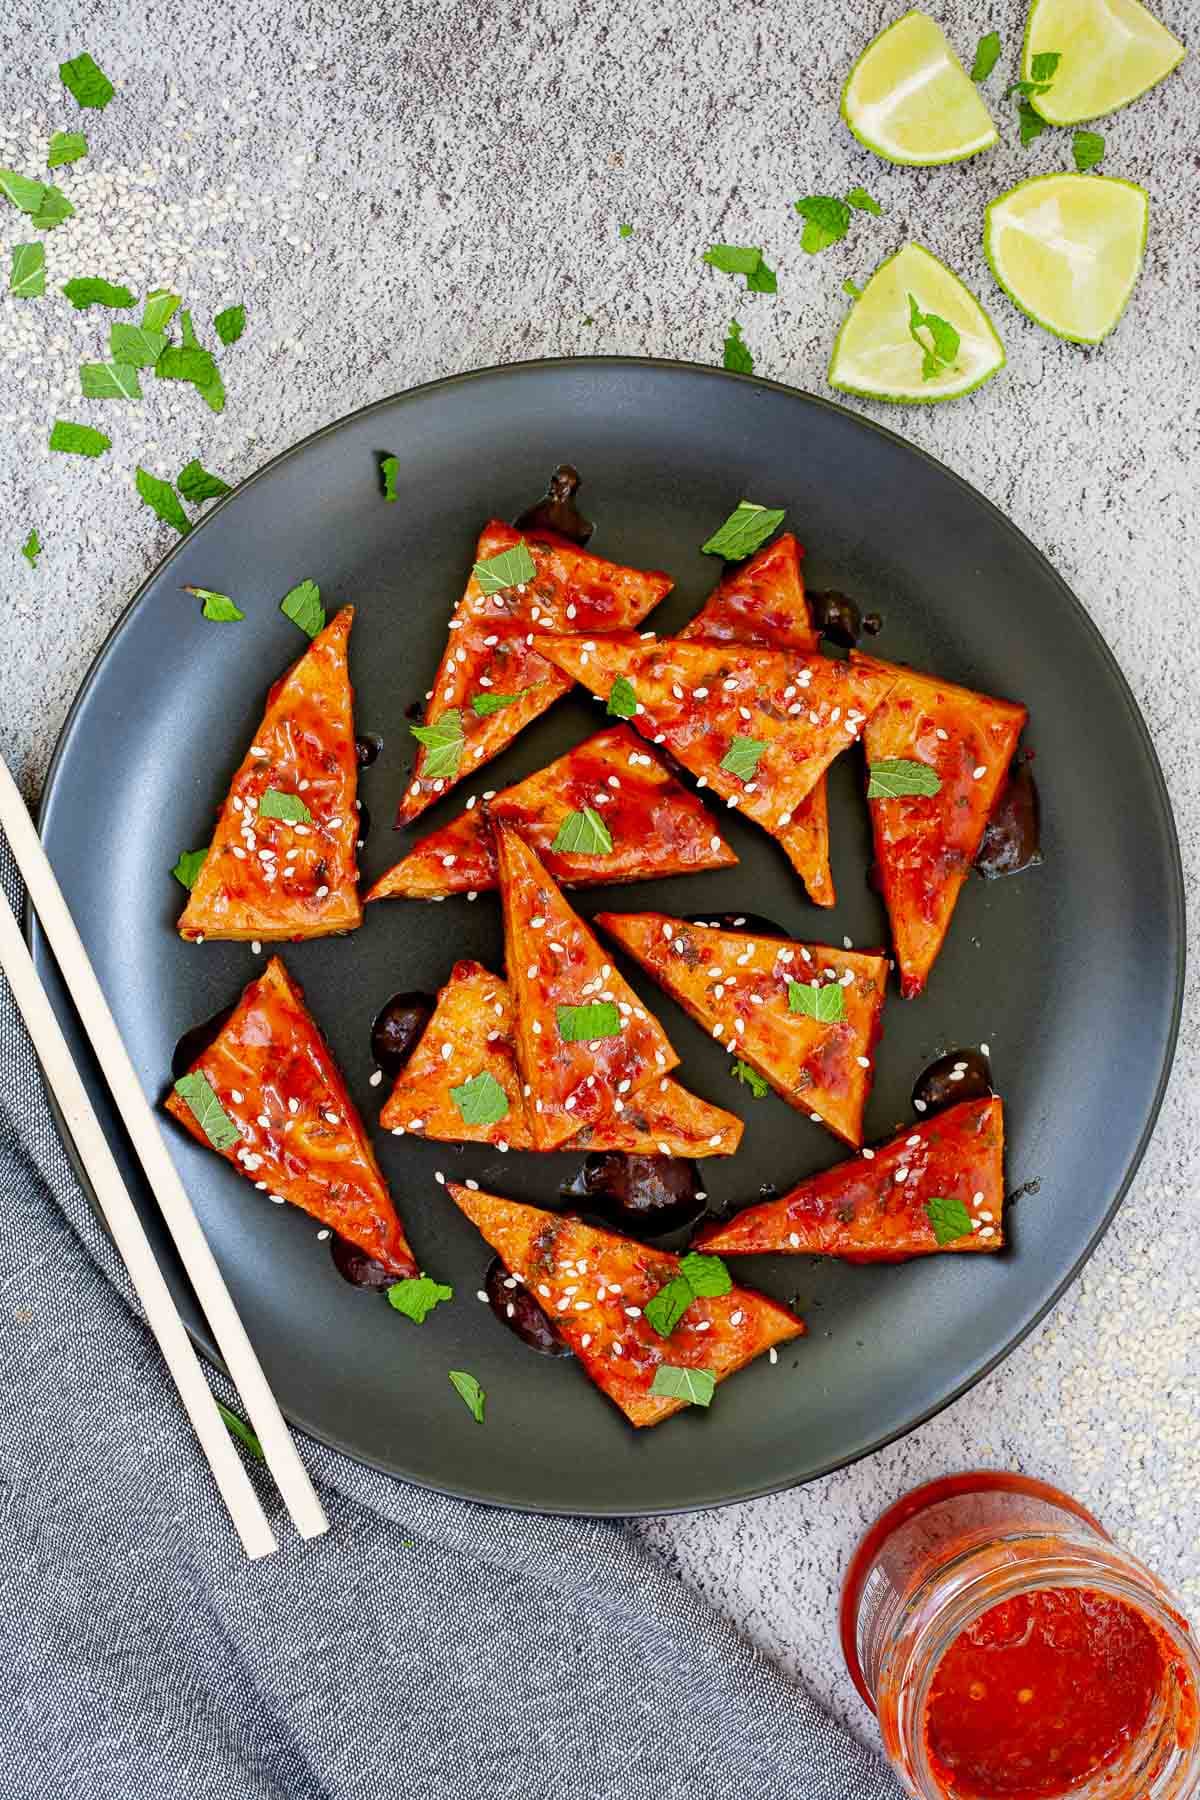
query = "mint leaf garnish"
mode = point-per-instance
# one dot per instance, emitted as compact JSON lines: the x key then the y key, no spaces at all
{"x":588,"y":1024}
{"x":481,"y":1100}
{"x":942,"y":349}
{"x":416,"y":1296}
{"x":54,"y":209}
{"x":93,"y":290}
{"x":27,"y":276}
{"x":583,"y":834}
{"x":84,"y":78}
{"x":162,"y":499}
{"x":196,"y":483}
{"x":708,"y":1275}
{"x":160,"y":308}
{"x":851,"y":288}
{"x":189,"y":866}
{"x":78,"y":440}
{"x":66,"y":147}
{"x":895,"y":776}
{"x":443,"y":743}
{"x":216,"y":606}
{"x":745,"y":530}
{"x":303,"y":607}
{"x":469,"y":1390}
{"x":26,"y":195}
{"x":239,"y":1429}
{"x":1029,"y":123}
{"x":625,"y":230}
{"x":273,"y":803}
{"x":826,"y":1004}
{"x":31,"y":549}
{"x":826,"y":221}
{"x":109,"y":381}
{"x":663,"y":1311}
{"x":484,"y":704}
{"x":949,"y":1218}
{"x":622,"y":700}
{"x":741,"y":758}
{"x":743,"y":259}
{"x":737,"y":354}
{"x":1045,"y":65}
{"x":987,"y":55}
{"x":696,"y":1386}
{"x":230,"y":323}
{"x":197,"y":1094}
{"x":1087,"y":147}
{"x":134,"y":345}
{"x":741,"y":1071}
{"x":389,"y":468}
{"x":862,"y":202}
{"x":511,"y":568}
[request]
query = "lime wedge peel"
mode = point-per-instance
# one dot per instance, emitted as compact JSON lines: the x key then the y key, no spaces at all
{"x":874,"y":355}
{"x":1112,"y":52}
{"x":909,"y":99}
{"x":1067,"y":249}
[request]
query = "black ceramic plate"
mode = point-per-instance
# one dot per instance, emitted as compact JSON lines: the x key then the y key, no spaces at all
{"x":1071,"y":973}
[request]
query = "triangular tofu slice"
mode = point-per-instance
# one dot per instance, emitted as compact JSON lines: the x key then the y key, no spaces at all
{"x":489,"y":657}
{"x":925,"y":843}
{"x":269,"y":1077}
{"x":442,"y":1096}
{"x":585,"y":1043}
{"x":938,"y":1186}
{"x":282,"y":861}
{"x":763,"y":602}
{"x":656,"y":826}
{"x":804,"y":1015}
{"x":594,"y":1285}
{"x":759,"y":727}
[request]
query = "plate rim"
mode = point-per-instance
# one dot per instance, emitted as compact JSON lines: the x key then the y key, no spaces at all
{"x":1174,"y":906}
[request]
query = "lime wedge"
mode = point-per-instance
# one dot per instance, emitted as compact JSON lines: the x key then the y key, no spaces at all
{"x":909,"y":99}
{"x":1111,"y":51}
{"x":876,"y":355}
{"x":1068,"y":250}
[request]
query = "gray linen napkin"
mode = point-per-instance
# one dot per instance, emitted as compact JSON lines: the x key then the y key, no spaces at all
{"x":425,"y":1646}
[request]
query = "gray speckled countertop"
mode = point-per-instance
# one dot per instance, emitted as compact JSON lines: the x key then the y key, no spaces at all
{"x":401,"y":192}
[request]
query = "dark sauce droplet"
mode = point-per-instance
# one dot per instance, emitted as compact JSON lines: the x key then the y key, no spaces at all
{"x":416,"y":709}
{"x":648,"y":1195}
{"x":872,"y":624}
{"x":556,"y":511}
{"x":356,"y":1267}
{"x":516,"y":1307}
{"x":397,"y":1026}
{"x":367,"y":747}
{"x":196,"y":1040}
{"x":750,"y":922}
{"x":1012,"y":838}
{"x":837,"y":617}
{"x":959,"y":1075}
{"x":364,"y":822}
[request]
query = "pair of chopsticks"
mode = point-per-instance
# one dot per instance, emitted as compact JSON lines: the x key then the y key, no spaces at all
{"x":63,"y":1078}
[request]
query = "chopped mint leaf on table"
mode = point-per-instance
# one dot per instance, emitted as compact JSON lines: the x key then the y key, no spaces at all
{"x":622,"y":699}
{"x":737,"y":354}
{"x":162,"y":499}
{"x":707,"y":1275}
{"x":741,"y":1071}
{"x":825,"y":1004}
{"x":273,"y":803}
{"x":31,"y":549}
{"x":417,"y":1295}
{"x":66,"y":147}
{"x":27,"y":276}
{"x":160,"y":308}
{"x":588,"y":1024}
{"x":26,"y":195}
{"x":741,"y":758}
{"x":762,"y":280}
{"x":745,"y":530}
{"x":746,"y":260}
{"x":893,"y":777}
{"x":197,"y":1094}
{"x":230,"y":323}
{"x":302,"y":604}
{"x":86,"y":80}
{"x":826,"y":221}
{"x":944,"y":342}
{"x":483,"y":705}
{"x":696,"y":1386}
{"x":949,"y":1218}
{"x":134,"y":345}
{"x":862,"y":202}
{"x":583,"y":834}
{"x":389,"y":468}
{"x":481,"y":1100}
{"x":109,"y":381}
{"x":93,"y":290}
{"x":78,"y":440}
{"x":54,"y":209}
{"x":851,"y":288}
{"x":189,"y":866}
{"x":625,"y":230}
{"x":196,"y":483}
{"x":987,"y":55}
{"x":189,"y":361}
{"x":1029,"y":123}
{"x":1087,"y":147}
{"x":663,"y":1311}
{"x":511,"y":568}
{"x":443,"y":743}
{"x":469,"y":1390}
{"x":239,"y":1429}
{"x":216,"y":606}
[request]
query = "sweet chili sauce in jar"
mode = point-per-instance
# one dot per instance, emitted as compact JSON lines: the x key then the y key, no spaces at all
{"x":1013,"y":1652}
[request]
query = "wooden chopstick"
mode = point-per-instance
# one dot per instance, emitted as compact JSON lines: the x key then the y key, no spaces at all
{"x":238,"y":1353}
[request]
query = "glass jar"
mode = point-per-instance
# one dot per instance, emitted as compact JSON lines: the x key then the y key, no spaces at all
{"x":951,"y":1550}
